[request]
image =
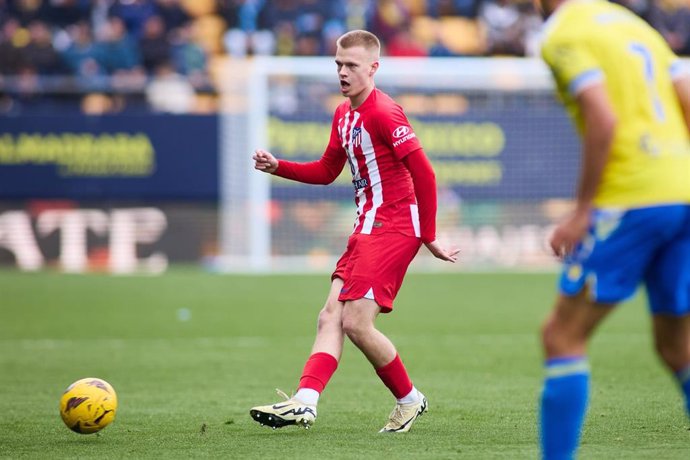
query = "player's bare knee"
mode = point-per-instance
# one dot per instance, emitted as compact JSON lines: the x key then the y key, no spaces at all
{"x":560,"y":340}
{"x":549,"y":337}
{"x":351,"y":327}
{"x":355,"y":327}
{"x":545,"y":332}
{"x":329,"y":316}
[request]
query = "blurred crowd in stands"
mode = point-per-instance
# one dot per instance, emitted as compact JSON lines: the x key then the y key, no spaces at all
{"x":159,"y":45}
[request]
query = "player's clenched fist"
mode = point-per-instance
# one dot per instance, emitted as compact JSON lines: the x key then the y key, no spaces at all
{"x":265,"y":161}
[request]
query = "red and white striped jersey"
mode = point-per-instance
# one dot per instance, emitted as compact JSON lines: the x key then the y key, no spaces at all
{"x":376,"y":137}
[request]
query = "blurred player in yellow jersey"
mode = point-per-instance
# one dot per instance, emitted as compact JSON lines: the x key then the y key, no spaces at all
{"x":629,"y":98}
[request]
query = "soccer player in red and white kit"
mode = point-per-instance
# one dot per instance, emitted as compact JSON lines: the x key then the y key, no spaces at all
{"x":395,"y":194}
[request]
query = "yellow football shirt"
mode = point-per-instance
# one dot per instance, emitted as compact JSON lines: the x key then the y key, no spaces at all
{"x":594,"y":41}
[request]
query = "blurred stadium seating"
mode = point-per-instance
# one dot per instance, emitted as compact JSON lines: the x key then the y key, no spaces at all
{"x":100,"y":56}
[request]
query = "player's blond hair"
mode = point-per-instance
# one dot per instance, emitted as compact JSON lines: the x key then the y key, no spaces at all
{"x":363,"y":38}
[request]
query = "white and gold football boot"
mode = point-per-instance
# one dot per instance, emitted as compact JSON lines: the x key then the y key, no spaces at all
{"x":404,"y":415}
{"x":289,"y":412}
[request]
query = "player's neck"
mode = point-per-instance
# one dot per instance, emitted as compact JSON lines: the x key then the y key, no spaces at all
{"x":358,"y":100}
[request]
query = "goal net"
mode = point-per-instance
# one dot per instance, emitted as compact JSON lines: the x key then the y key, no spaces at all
{"x":504,"y":153}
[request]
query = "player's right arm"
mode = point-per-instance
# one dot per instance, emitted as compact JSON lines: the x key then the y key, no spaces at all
{"x":322,"y":171}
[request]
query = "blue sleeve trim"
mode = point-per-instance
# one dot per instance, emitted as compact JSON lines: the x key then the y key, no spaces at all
{"x":678,"y":69}
{"x":584,"y":80}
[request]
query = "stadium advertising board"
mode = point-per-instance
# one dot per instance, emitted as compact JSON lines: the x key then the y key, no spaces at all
{"x":79,"y":237}
{"x":497,"y":152}
{"x":111,"y":157}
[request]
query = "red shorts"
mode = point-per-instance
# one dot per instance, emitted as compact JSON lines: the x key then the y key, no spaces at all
{"x":373,"y":267}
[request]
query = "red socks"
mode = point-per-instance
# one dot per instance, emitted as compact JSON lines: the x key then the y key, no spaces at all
{"x":320,"y":368}
{"x":395,"y":377}
{"x":318,"y":371}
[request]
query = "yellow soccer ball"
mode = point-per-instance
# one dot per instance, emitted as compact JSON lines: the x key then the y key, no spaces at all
{"x":88,"y":405}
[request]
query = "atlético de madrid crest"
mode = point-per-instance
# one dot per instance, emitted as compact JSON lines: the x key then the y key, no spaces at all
{"x":356,"y":136}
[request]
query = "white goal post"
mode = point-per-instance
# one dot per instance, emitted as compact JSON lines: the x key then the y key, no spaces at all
{"x":502,"y":147}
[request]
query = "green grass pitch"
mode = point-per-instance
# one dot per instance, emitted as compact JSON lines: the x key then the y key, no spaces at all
{"x":190,"y":352}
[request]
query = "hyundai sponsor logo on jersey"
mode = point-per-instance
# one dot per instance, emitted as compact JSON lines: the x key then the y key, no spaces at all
{"x":400,"y":131}
{"x":402,"y":134}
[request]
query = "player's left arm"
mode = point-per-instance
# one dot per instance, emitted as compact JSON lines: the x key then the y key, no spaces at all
{"x":682,"y":88}
{"x":424,"y":180}
{"x":599,"y":127}
{"x":395,"y":129}
{"x":576,"y":70}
